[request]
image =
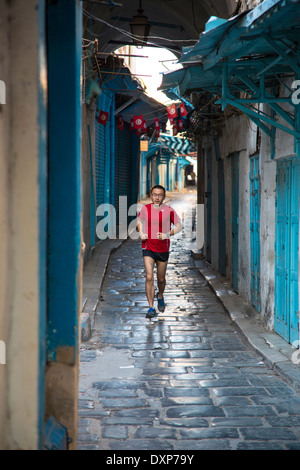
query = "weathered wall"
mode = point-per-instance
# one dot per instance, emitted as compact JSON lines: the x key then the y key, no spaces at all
{"x":242,"y":135}
{"x":4,"y":213}
{"x":267,"y":230}
{"x":19,"y":204}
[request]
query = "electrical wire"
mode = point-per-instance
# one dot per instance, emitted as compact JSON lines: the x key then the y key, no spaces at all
{"x":132,"y":36}
{"x":136,"y":36}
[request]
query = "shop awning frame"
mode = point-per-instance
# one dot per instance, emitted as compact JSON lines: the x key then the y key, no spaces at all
{"x":245,"y":61}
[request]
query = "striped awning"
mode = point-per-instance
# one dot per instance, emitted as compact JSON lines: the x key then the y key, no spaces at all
{"x":177,"y":144}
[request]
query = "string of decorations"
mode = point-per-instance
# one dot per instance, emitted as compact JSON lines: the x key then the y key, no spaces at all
{"x":139,"y":124}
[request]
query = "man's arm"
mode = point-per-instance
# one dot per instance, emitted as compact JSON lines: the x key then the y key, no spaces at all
{"x":139,"y":225}
{"x":176,"y":229}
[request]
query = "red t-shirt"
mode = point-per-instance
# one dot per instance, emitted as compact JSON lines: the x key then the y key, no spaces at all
{"x":154,"y":221}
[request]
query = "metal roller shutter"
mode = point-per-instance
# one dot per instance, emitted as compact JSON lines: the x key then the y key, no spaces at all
{"x":123,"y":165}
{"x":99,"y":162}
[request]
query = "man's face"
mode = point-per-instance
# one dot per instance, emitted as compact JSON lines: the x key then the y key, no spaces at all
{"x":157,"y":196}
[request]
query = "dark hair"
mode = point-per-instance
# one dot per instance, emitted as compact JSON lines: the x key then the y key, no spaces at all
{"x":158,"y":186}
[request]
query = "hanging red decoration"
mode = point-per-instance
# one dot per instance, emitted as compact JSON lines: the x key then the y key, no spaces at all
{"x":120,"y":123}
{"x":103,"y":117}
{"x":157,"y":133}
{"x":138,"y":122}
{"x":180,"y":124}
{"x":175,"y":129}
{"x":157,"y":125}
{"x":145,"y":126}
{"x":172,"y":113}
{"x":182,"y":109}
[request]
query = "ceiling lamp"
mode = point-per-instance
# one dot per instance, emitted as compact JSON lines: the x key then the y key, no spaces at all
{"x":140,"y":28}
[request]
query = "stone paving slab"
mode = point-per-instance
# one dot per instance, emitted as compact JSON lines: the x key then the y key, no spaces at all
{"x":277,"y":353}
{"x":186,"y":381}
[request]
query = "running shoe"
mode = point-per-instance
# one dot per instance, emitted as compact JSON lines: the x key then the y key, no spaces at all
{"x":151,"y":313}
{"x":161,"y":304}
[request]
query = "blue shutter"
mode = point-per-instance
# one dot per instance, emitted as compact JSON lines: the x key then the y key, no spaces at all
{"x":255,"y":231}
{"x":221,"y":218}
{"x":287,"y":250}
{"x":99,"y":162}
{"x":235,"y":219}
{"x":123,"y":165}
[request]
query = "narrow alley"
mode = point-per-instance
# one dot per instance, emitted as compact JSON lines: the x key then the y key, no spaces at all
{"x":184,"y":381}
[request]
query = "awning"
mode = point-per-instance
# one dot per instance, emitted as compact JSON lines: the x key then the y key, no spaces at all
{"x":176,"y":144}
{"x":165,"y":153}
{"x":120,"y":80}
{"x":215,"y":29}
{"x":245,"y":60}
{"x":183,"y":162}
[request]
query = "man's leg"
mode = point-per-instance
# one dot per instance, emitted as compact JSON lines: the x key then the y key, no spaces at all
{"x":161,"y":277}
{"x":149,"y":267}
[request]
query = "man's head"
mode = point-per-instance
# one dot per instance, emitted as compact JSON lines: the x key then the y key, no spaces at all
{"x":157,"y":194}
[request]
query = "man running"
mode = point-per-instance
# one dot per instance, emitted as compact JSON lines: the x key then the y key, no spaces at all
{"x":154,"y":224}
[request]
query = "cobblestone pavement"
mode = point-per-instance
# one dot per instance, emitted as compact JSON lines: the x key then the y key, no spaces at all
{"x":185,"y":381}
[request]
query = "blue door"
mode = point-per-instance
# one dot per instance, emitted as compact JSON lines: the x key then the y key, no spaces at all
{"x":235,"y":219}
{"x":221,"y":218}
{"x":254,"y":231}
{"x":287,"y":250}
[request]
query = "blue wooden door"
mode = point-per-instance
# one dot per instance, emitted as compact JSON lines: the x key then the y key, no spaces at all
{"x":294,"y":251}
{"x":235,"y":219}
{"x":221,"y":218}
{"x":287,"y":250}
{"x":254,"y":231}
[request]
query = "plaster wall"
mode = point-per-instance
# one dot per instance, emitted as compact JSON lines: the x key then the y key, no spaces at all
{"x":5,"y":229}
{"x":267,"y":231}
{"x":19,"y":205}
{"x":242,"y":135}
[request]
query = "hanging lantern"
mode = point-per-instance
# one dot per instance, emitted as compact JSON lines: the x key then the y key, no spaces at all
{"x":140,"y":28}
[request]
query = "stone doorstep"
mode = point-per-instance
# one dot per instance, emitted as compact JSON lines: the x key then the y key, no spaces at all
{"x":275,"y":351}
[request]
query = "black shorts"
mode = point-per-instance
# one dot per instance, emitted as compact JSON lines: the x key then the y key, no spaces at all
{"x":164,"y":256}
